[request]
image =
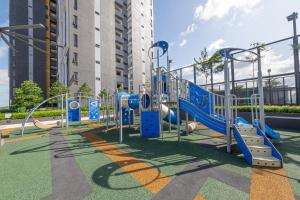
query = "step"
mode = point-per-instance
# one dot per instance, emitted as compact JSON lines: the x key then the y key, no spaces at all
{"x":252,"y":140}
{"x":266,"y":161}
{"x":247,"y":130}
{"x":260,"y":150}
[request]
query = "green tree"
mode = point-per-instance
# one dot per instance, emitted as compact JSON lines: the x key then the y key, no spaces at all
{"x":85,"y":90}
{"x":103,"y":93}
{"x":27,"y":96}
{"x":57,"y":88}
{"x":209,"y":66}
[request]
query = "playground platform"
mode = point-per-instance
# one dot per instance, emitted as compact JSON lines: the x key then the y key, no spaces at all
{"x":87,"y":162}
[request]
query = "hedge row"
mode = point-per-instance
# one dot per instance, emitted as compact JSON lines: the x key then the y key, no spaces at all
{"x":37,"y":114}
{"x":280,"y":109}
{"x":53,"y":113}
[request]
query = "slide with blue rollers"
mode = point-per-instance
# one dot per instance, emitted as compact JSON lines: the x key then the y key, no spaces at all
{"x":256,"y":147}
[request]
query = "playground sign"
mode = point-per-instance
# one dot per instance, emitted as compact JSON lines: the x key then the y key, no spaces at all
{"x":94,"y":106}
{"x":74,"y":110}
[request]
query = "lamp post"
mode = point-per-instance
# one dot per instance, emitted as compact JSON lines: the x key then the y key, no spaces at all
{"x":293,"y":17}
{"x":270,"y":93}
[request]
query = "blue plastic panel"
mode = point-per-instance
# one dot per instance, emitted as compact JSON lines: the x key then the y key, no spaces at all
{"x":94,"y":109}
{"x":133,"y":101}
{"x":150,"y":124}
{"x":127,"y":116}
{"x":201,"y":98}
{"x":73,"y":110}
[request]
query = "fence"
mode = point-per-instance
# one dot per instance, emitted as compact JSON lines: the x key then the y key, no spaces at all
{"x":278,"y":74}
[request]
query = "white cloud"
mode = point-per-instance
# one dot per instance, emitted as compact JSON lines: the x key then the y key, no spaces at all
{"x":219,"y":9}
{"x":216,"y":45}
{"x":190,"y":29}
{"x":172,"y":44}
{"x":183,"y":43}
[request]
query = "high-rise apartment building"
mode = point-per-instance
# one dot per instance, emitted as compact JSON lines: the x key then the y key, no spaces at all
{"x":102,"y":42}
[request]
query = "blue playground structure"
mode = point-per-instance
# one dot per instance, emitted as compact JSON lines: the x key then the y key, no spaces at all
{"x":217,"y":112}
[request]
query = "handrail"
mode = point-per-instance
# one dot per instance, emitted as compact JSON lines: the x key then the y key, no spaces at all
{"x":35,"y":108}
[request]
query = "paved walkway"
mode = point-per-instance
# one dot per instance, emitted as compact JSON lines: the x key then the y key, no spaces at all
{"x":68,"y":182}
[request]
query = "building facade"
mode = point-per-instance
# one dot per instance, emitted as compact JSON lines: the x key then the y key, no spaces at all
{"x":102,"y":42}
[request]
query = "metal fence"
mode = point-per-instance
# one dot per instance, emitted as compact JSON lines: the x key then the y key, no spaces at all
{"x":278,"y":67}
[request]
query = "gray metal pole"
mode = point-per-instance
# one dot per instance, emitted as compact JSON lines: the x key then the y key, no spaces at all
{"x":67,"y":111}
{"x":296,"y":61}
{"x":232,"y":76}
{"x":62,"y":111}
{"x":178,"y":111}
{"x":195,"y":75}
{"x":284,"y":95}
{"x":227,"y":105}
{"x":260,"y":92}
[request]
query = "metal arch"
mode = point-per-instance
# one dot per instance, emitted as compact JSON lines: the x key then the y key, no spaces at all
{"x":35,"y":108}
{"x":228,"y":53}
{"x":160,"y":44}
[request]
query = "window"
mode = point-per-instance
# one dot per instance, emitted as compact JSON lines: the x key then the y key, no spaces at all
{"x":75,"y":58}
{"x":118,"y":60}
{"x":119,"y":73}
{"x":75,"y":21}
{"x":98,"y":62}
{"x":75,"y":37}
{"x":98,"y":78}
{"x":75,"y":4}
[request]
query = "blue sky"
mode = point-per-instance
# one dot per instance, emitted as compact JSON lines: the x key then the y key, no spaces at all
{"x":191,"y":25}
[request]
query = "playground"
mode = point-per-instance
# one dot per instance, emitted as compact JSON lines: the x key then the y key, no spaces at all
{"x":173,"y":139}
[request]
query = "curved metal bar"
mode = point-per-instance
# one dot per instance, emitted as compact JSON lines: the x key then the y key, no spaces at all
{"x":35,"y":108}
{"x":229,"y":53}
{"x":160,"y":44}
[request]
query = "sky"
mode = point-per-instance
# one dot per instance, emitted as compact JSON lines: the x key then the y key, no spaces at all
{"x":192,"y":25}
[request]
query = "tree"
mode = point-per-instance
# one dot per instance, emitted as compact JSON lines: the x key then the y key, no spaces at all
{"x":57,"y":88}
{"x":85,"y":90}
{"x":103,"y":93}
{"x":27,"y":96}
{"x":209,"y":66}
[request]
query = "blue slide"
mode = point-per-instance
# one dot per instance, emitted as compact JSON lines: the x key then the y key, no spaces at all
{"x":202,"y":117}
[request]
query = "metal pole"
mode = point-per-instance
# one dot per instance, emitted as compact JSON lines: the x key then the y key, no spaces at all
{"x":121,"y":122}
{"x":178,"y":111}
{"x":227,"y":105}
{"x":195,"y":75}
{"x":296,"y":61}
{"x":232,"y":76}
{"x":284,"y":95}
{"x":169,"y":89}
{"x":106,"y":111}
{"x":260,"y":92}
{"x":62,"y":111}
{"x":67,"y":111}
{"x":270,"y":88}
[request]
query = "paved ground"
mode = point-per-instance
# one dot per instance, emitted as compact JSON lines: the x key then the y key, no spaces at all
{"x":198,"y":166}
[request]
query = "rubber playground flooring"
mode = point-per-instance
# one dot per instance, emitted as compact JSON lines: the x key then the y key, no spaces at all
{"x":88,"y":163}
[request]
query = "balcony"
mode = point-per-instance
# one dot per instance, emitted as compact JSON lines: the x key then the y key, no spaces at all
{"x":119,"y":27}
{"x":120,"y":52}
{"x":120,"y":79}
{"x":120,"y":2}
{"x":119,"y":40}
{"x":119,"y":14}
{"x":120,"y":66}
